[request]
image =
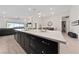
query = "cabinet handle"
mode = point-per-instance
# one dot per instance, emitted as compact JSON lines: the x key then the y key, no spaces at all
{"x":45,"y":43}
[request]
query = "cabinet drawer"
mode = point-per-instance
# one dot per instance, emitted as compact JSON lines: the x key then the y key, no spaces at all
{"x":36,"y":38}
{"x":43,"y":41}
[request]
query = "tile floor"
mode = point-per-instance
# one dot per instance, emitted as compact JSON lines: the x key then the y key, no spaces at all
{"x":71,"y":47}
{"x":8,"y":45}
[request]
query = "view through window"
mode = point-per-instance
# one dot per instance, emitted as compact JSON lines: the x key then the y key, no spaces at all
{"x":15,"y":25}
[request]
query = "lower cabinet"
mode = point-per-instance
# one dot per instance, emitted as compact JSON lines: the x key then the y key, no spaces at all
{"x":43,"y":46}
{"x":36,"y":45}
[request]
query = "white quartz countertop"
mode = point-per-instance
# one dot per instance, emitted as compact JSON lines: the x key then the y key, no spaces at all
{"x":50,"y":35}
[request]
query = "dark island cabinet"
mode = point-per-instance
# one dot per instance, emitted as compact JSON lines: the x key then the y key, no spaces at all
{"x":23,"y":39}
{"x":36,"y":45}
{"x":43,"y":46}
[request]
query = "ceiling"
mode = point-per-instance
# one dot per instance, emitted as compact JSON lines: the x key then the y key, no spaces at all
{"x":24,"y":10}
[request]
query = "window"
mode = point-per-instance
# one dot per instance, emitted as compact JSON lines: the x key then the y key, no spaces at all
{"x":15,"y":25}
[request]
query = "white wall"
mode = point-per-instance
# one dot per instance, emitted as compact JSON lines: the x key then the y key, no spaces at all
{"x":56,"y":20}
{"x":3,"y":22}
{"x":59,"y":11}
{"x":74,"y":15}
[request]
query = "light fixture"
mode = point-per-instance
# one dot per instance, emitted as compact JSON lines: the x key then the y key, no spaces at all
{"x":29,"y":9}
{"x":39,"y":16}
{"x":51,"y":9}
{"x":39,"y":13}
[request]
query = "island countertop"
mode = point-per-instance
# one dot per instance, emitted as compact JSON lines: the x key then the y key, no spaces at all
{"x":56,"y":36}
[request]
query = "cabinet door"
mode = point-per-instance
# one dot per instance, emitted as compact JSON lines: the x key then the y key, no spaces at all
{"x":22,"y":40}
{"x":15,"y":37}
{"x":27,"y":42}
{"x":50,"y":47}
{"x":18,"y":37}
{"x":35,"y":45}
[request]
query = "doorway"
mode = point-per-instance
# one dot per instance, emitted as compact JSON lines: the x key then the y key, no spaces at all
{"x":63,"y":26}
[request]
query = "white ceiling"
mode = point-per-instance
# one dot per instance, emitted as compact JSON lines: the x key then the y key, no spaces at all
{"x":22,"y":10}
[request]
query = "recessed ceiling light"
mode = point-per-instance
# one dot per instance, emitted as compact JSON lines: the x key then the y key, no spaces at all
{"x":51,"y":9}
{"x":29,"y":9}
{"x":39,"y":16}
{"x":39,"y":13}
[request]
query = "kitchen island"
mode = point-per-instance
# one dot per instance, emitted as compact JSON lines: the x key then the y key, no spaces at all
{"x":38,"y":42}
